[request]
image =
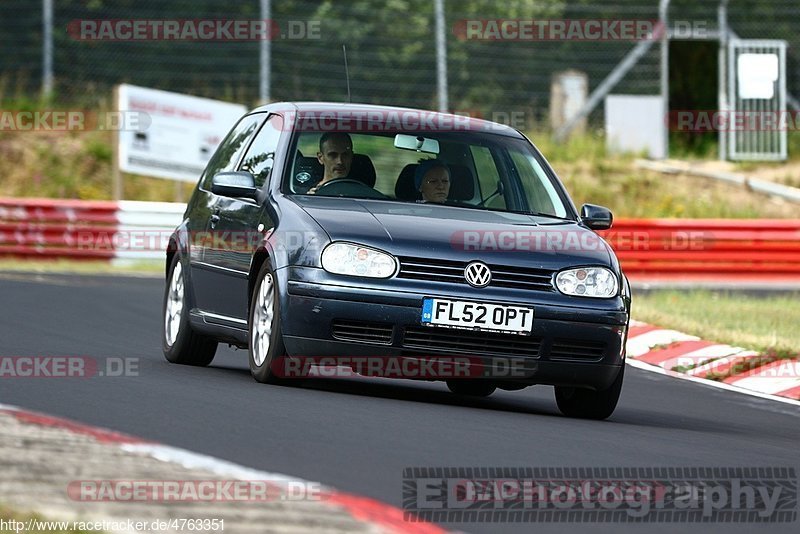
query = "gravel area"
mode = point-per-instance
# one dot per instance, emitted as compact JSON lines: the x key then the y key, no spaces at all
{"x":39,"y":464}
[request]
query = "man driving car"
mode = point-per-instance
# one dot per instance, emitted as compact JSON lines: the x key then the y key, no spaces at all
{"x":336,"y":157}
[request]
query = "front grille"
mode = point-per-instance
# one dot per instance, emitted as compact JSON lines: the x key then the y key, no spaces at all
{"x":453,"y":272}
{"x":470,"y":342}
{"x":362,"y":331}
{"x":567,"y":349}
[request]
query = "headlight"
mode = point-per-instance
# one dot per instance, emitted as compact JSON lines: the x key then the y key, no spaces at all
{"x":587,"y":282}
{"x":355,"y":260}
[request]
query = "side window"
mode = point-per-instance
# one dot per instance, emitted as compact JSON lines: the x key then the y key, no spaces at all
{"x":261,"y":155}
{"x":488,"y":177}
{"x":229,"y":151}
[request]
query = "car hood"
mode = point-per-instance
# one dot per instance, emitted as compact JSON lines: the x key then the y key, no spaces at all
{"x":453,"y":233}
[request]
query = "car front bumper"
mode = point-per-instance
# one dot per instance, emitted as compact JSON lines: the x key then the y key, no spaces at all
{"x":574,"y":342}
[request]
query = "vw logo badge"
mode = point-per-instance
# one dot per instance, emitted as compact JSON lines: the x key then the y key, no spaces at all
{"x":478,"y":274}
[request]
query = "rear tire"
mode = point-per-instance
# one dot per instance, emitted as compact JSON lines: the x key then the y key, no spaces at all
{"x":472,"y":388}
{"x":264,"y":328}
{"x":180,"y":343}
{"x":589,"y":404}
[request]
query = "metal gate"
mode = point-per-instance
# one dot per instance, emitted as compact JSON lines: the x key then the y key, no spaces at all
{"x":757,"y":120}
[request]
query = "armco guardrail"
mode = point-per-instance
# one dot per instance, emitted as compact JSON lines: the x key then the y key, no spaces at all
{"x":765,"y":249}
{"x":74,"y":229}
{"x":707,"y":248}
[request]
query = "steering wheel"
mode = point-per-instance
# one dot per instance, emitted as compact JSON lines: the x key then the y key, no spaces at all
{"x":349,"y":188}
{"x":337,"y":181}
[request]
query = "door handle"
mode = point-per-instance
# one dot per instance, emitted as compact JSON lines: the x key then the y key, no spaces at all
{"x":214,"y":220}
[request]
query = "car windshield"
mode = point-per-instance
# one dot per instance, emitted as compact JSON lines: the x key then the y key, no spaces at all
{"x":472,"y":170}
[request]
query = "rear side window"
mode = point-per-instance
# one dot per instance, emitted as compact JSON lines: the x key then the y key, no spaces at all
{"x":261,"y":155}
{"x":230,"y":150}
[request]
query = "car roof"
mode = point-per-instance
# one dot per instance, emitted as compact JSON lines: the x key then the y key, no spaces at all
{"x":310,"y":108}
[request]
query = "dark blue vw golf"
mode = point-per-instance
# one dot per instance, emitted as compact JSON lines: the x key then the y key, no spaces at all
{"x":345,"y":235}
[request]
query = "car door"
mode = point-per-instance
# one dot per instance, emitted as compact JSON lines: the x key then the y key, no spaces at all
{"x":205,"y":208}
{"x":239,"y":229}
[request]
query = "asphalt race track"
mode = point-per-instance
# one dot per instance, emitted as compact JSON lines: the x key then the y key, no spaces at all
{"x":358,"y":434}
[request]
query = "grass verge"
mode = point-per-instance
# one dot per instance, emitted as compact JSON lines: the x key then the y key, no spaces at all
{"x":764,"y":324}
{"x":81,"y":267}
{"x":593,"y":176}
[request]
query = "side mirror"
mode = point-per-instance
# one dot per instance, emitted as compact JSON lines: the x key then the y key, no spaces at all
{"x":596,"y":217}
{"x":239,"y":184}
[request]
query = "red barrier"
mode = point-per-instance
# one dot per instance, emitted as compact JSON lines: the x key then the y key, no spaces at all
{"x":47,"y":228}
{"x":648,"y":249}
{"x":706,"y":249}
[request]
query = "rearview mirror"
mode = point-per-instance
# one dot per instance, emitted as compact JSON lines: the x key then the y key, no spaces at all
{"x":596,"y":217}
{"x":238,"y":184}
{"x":417,"y":143}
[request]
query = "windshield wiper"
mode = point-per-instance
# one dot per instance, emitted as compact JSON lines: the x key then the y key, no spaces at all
{"x":539,"y":214}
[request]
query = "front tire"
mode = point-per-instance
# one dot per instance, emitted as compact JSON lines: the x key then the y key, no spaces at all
{"x":180,"y":343}
{"x":265,"y":339}
{"x":588,"y":404}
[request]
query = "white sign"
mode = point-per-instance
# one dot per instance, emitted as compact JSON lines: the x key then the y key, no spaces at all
{"x":180,"y":136}
{"x":757,"y":74}
{"x":635,"y":123}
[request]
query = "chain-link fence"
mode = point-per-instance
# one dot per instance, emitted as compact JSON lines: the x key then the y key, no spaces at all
{"x":391,"y":50}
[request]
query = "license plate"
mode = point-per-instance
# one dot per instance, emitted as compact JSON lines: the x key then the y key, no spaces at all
{"x":477,"y":316}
